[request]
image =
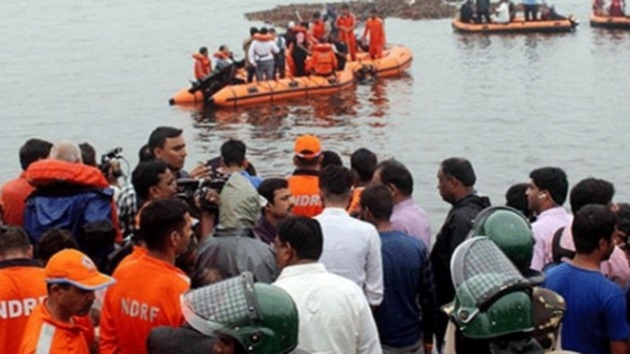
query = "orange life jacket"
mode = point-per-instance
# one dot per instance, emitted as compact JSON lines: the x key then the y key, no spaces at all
{"x":318,"y":31}
{"x":203,"y":66}
{"x":323,"y":60}
{"x":263,"y":37}
{"x":304,"y":187}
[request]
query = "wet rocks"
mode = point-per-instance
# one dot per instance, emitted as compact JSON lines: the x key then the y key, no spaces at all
{"x":405,"y":9}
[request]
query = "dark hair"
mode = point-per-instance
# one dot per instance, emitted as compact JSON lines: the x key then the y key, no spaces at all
{"x":53,"y":241}
{"x":317,"y":14}
{"x":222,"y":47}
{"x":301,"y":162}
{"x":552,"y":179}
{"x":394,"y":172}
{"x":460,"y":169}
{"x":159,"y":219}
{"x":13,"y":238}
{"x":591,"y":191}
{"x":253,"y":31}
{"x":145,"y":154}
{"x":623,"y":216}
{"x":233,"y":152}
{"x":377,"y":198}
{"x":336,"y":180}
{"x":158,"y":137}
{"x":146,"y":175}
{"x":515,"y":197}
{"x":203,"y":50}
{"x":263,"y":30}
{"x":592,"y":223}
{"x":88,"y":154}
{"x":304,"y":235}
{"x":330,"y":158}
{"x":345,"y":7}
{"x":363,"y":162}
{"x":268,"y":187}
{"x":33,"y":150}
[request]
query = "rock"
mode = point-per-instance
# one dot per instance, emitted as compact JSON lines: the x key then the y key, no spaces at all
{"x":405,"y":9}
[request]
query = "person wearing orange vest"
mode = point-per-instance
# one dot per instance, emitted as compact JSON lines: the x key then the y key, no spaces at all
{"x":148,"y":288}
{"x":203,"y":65}
{"x":346,"y":24}
{"x":318,"y":27}
{"x":363,"y":164}
{"x":18,"y":298}
{"x":304,"y":183}
{"x":14,"y":193}
{"x":55,"y":326}
{"x":323,"y":61}
{"x":375,"y":28}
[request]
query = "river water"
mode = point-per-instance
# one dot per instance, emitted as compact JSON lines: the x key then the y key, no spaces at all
{"x":103,"y":71}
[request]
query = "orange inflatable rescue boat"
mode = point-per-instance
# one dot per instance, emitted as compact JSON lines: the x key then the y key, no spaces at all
{"x":269,"y":91}
{"x":518,"y":25}
{"x":395,"y":60}
{"x":617,"y":22}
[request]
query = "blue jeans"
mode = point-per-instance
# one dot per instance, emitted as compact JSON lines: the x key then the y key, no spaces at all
{"x":265,"y":68}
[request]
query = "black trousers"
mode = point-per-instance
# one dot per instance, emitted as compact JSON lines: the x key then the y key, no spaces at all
{"x":531,"y":10}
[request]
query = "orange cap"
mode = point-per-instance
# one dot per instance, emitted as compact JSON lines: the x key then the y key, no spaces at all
{"x":70,"y":266}
{"x":307,"y":147}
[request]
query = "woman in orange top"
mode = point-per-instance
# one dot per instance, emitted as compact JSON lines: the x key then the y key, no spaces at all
{"x":346,"y":24}
{"x":203,"y":66}
{"x":374,"y":26}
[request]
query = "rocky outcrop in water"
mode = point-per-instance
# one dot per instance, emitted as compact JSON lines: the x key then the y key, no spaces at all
{"x":405,"y":9}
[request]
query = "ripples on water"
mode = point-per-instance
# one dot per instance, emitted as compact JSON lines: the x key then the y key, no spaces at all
{"x":103,"y":72}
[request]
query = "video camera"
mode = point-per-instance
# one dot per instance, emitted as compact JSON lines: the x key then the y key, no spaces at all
{"x":190,"y":189}
{"x":111,"y":159}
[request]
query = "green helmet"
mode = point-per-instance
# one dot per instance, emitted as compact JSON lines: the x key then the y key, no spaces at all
{"x":261,"y":317}
{"x":509,"y":229}
{"x":492,"y":298}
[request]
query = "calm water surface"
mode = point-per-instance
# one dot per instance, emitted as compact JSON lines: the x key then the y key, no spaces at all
{"x":103,"y":71}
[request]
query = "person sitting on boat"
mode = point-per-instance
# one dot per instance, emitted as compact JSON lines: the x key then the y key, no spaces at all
{"x":374,"y":26}
{"x":616,"y":8}
{"x":466,"y":13}
{"x":531,"y":10}
{"x":341,"y":50}
{"x":261,"y":53}
{"x":223,"y":57}
{"x":502,"y":13}
{"x":548,"y":13}
{"x":323,"y":61}
{"x":598,"y":7}
{"x":203,"y":65}
{"x":483,"y":11}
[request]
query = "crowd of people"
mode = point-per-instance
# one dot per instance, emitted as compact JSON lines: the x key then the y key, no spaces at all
{"x":331,"y":259}
{"x":319,"y":46}
{"x":479,"y":11}
{"x":612,"y":8}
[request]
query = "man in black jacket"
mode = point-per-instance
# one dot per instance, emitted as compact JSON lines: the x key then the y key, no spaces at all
{"x":456,"y":180}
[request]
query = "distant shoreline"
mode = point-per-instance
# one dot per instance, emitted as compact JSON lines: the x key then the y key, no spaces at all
{"x":418,"y":10}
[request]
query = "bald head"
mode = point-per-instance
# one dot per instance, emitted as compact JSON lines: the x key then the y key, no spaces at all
{"x":66,"y":150}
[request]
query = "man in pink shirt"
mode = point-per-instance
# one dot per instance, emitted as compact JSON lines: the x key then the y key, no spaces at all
{"x":598,"y":191}
{"x":546,"y":192}
{"x":407,"y":217}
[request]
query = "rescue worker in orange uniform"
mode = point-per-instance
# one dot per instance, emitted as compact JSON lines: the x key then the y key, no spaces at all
{"x":318,"y":27}
{"x":54,"y":325}
{"x":375,"y":28}
{"x":203,"y":65}
{"x":346,"y":24}
{"x":18,"y":297}
{"x":323,"y":61}
{"x":148,"y":288}
{"x":304,"y":183}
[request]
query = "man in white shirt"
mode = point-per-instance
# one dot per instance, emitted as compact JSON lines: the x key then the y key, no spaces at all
{"x":260,"y":54}
{"x":502,"y":13}
{"x":334,"y":315}
{"x":546,"y":192}
{"x":352,"y":248}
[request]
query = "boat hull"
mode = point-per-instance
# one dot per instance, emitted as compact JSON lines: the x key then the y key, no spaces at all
{"x":610,"y":22}
{"x":516,"y":26}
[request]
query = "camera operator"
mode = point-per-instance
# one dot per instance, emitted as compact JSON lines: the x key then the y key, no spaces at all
{"x":233,"y":246}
